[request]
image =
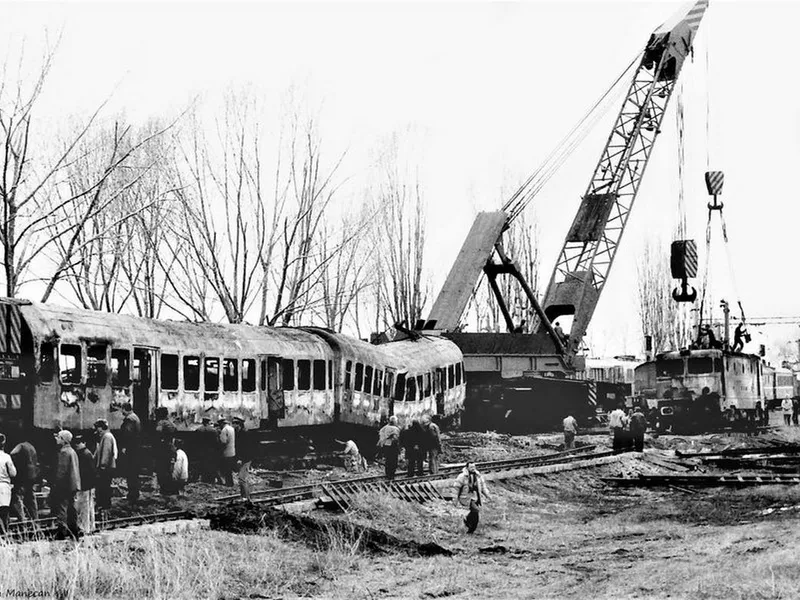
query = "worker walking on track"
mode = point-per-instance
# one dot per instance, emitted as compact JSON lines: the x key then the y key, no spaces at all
{"x":470,"y":491}
{"x":570,"y":431}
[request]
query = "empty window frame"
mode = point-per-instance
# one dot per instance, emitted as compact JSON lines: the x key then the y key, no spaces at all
{"x":359,"y":376}
{"x":420,"y":386}
{"x":377,"y":383}
{"x":230,"y":375}
{"x":120,"y":368}
{"x":211,"y":374}
{"x":330,"y":374}
{"x":411,"y":389}
{"x":263,"y":377}
{"x":169,"y":371}
{"x":427,"y":385}
{"x":348,"y":374}
{"x":458,"y":373}
{"x":96,"y":373}
{"x":287,"y":374}
{"x":191,"y":373}
{"x":319,"y":374}
{"x":368,"y":380}
{"x":248,"y":375}
{"x":69,"y":363}
{"x":47,"y":362}
{"x":451,"y":376}
{"x":399,"y":387}
{"x":388,"y":383}
{"x":303,"y":374}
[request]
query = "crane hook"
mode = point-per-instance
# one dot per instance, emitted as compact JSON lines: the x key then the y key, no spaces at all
{"x":684,"y":294}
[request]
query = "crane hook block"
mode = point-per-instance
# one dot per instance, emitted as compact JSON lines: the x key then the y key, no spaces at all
{"x":714,"y":181}
{"x":685,"y":293}
{"x":683,"y":259}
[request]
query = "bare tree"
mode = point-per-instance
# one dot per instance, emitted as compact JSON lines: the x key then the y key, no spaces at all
{"x":399,"y":240}
{"x":666,"y":321}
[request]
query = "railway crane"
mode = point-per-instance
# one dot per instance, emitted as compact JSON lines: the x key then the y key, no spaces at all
{"x":591,"y":243}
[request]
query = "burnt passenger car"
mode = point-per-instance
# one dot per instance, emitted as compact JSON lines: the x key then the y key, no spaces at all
{"x":66,"y":367}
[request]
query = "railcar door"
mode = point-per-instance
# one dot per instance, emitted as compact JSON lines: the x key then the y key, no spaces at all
{"x":145,"y":386}
{"x":17,"y":370}
{"x":271,"y":399}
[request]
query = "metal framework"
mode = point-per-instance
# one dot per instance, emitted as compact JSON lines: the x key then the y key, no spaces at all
{"x":591,"y":245}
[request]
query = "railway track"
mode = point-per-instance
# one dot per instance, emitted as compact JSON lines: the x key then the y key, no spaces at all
{"x":417,"y":488}
{"x":47,"y":529}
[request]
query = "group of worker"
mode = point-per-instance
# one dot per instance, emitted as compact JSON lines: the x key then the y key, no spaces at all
{"x":790,"y":407}
{"x":421,"y":439}
{"x":627,"y":429}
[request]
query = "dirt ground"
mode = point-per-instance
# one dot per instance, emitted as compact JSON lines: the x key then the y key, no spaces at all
{"x":560,"y":535}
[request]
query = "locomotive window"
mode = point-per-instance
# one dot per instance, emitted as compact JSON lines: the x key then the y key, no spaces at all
{"x":367,"y":380}
{"x":388,"y":381}
{"x":670,"y":368}
{"x":211,"y":374}
{"x":96,"y":374}
{"x":359,"y":376}
{"x":69,"y":363}
{"x":399,"y":387}
{"x":263,"y":376}
{"x":120,"y":368}
{"x":411,"y":389}
{"x":303,"y":374}
{"x":191,"y":373}
{"x":169,"y":371}
{"x":348,"y":374}
{"x":287,"y":375}
{"x":700,"y":366}
{"x":230,"y":375}
{"x":330,"y":374}
{"x":47,"y":364}
{"x":377,"y":384}
{"x":427,"y":384}
{"x":420,"y":386}
{"x":248,"y":375}
{"x":451,"y":376}
{"x":319,"y":374}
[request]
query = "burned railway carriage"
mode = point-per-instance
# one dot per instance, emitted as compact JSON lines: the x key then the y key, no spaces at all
{"x":69,"y":367}
{"x":674,"y":383}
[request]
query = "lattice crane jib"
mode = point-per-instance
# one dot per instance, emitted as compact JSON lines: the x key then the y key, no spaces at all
{"x":591,"y":244}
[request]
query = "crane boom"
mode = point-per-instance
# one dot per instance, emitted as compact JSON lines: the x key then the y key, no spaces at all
{"x":591,"y":243}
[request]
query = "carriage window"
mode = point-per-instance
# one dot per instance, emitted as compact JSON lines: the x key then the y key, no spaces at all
{"x":411,"y":389}
{"x":359,"y":376}
{"x":69,"y":363}
{"x":191,"y":373}
{"x":388,"y":382}
{"x":427,"y":384}
{"x":699,"y":366}
{"x":120,"y":367}
{"x":670,"y":368}
{"x":263,"y":376}
{"x":348,"y":374}
{"x":230,"y":375}
{"x":420,"y":386}
{"x":451,"y":376}
{"x":48,"y":363}
{"x":303,"y":374}
{"x":399,"y":387}
{"x":367,"y":380}
{"x":96,"y":374}
{"x":248,"y":375}
{"x":319,"y":374}
{"x":376,"y":385}
{"x":211,"y":374}
{"x":330,"y":374}
{"x":169,"y":371}
{"x":287,"y":374}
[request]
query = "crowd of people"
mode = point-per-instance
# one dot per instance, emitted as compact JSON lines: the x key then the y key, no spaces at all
{"x":80,"y":483}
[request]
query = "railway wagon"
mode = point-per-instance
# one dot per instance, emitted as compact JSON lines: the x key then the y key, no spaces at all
{"x":779,"y":383}
{"x":66,"y":367}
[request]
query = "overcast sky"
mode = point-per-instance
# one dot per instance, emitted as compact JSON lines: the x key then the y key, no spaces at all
{"x":491,"y":87}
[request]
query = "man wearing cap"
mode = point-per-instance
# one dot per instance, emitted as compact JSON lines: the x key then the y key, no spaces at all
{"x":131,"y":442}
{"x":245,"y":449}
{"x":227,"y":441}
{"x":105,"y":457}
{"x":66,"y":482}
{"x":207,"y":459}
{"x":84,"y":498}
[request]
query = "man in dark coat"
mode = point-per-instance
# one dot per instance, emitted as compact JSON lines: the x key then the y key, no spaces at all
{"x":106,"y":456}
{"x":638,"y":425}
{"x":66,"y":482}
{"x":207,"y":452}
{"x":23,"y":501}
{"x":84,"y":498}
{"x":413,"y":440}
{"x":389,"y":446}
{"x":131,"y":449}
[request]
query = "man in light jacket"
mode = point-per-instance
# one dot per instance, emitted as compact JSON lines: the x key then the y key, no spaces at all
{"x":470,"y":490}
{"x":105,"y":458}
{"x":617,"y":421}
